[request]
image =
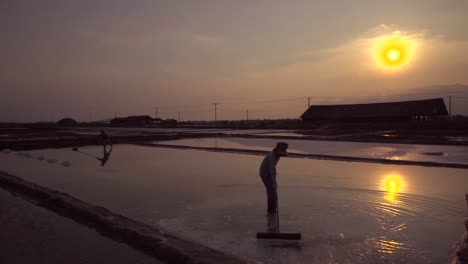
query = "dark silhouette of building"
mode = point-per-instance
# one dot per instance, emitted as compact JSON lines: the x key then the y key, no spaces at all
{"x":157,"y":121}
{"x":67,"y":122}
{"x":392,"y":111}
{"x":169,"y":123}
{"x":132,"y":121}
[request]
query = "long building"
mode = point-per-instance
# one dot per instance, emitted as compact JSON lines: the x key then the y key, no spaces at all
{"x":132,"y":121}
{"x":391,"y":111}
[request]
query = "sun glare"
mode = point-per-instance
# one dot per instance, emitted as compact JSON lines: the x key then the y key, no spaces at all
{"x":392,"y":185}
{"x":393,"y":52}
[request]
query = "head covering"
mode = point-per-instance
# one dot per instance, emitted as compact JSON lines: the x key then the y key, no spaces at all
{"x":282,"y":148}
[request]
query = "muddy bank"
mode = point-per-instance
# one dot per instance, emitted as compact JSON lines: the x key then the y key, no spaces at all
{"x":318,"y":156}
{"x":33,"y":234}
{"x":372,"y":138}
{"x":462,"y":251}
{"x":148,"y":239}
{"x":68,"y":142}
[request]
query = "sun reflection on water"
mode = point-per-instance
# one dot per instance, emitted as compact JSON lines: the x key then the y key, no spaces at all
{"x":392,"y":185}
{"x":389,"y":246}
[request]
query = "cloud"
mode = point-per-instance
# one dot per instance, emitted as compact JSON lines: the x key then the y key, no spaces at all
{"x":436,"y":60}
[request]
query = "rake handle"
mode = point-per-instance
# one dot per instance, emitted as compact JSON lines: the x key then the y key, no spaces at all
{"x":277,"y":212}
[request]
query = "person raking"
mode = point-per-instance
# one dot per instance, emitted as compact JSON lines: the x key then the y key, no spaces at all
{"x":268,"y":174}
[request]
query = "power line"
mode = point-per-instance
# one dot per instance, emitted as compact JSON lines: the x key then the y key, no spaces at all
{"x":268,"y":101}
{"x":206,"y":109}
{"x":383,"y":96}
{"x":289,"y":102}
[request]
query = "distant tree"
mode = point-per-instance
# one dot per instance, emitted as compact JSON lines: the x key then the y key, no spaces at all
{"x":67,"y":122}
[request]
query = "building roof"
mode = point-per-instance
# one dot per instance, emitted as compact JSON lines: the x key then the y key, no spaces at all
{"x":130,"y":119}
{"x":429,"y":107}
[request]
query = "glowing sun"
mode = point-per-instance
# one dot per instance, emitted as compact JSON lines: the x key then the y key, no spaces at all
{"x":393,"y":52}
{"x":392,"y":185}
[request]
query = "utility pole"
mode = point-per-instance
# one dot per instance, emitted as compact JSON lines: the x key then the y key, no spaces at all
{"x":450,"y":107}
{"x":308,"y":99}
{"x":215,"y":111}
{"x":247,"y":115}
{"x":156,"y":108}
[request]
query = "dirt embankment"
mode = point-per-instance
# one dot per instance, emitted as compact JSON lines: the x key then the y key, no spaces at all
{"x":151,"y":240}
{"x":316,"y":156}
{"x":33,"y":138}
{"x":462,"y":252}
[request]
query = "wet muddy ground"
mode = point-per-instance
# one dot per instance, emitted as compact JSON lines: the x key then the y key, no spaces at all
{"x":31,"y":234}
{"x":346,"y":212}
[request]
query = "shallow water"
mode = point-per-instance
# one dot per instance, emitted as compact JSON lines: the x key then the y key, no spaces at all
{"x":285,"y":134}
{"x":347,"y":212}
{"x":446,"y":154}
{"x":32,"y":234}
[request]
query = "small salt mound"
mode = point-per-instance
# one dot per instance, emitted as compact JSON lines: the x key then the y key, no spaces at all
{"x":24,"y":154}
{"x":6,"y":151}
{"x":66,"y":163}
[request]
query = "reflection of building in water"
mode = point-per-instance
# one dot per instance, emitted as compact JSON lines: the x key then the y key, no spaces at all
{"x":392,"y":185}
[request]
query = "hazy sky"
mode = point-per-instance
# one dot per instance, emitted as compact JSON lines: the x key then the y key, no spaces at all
{"x":73,"y":58}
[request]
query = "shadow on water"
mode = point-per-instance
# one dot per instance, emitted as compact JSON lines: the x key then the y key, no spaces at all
{"x":105,"y":155}
{"x":106,"y":152}
{"x":293,"y":245}
{"x":272,"y":226}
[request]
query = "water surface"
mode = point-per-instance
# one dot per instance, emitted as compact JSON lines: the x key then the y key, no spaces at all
{"x":347,"y":212}
{"x":388,"y":151}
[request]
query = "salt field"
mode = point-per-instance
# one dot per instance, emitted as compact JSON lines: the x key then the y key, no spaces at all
{"x":31,"y":234}
{"x":388,"y":151}
{"x":347,"y":212}
{"x":127,"y":130}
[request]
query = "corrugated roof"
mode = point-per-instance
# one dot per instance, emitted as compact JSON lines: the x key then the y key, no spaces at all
{"x":429,"y":107}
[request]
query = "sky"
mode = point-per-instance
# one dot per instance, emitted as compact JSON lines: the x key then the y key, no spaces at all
{"x":96,"y":59}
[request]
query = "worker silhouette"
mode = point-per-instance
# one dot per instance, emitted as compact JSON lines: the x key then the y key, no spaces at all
{"x":106,"y":141}
{"x":106,"y":155}
{"x":268,"y":174}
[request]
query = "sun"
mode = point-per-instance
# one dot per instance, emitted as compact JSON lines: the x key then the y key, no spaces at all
{"x":393,"y":52}
{"x":392,"y":185}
